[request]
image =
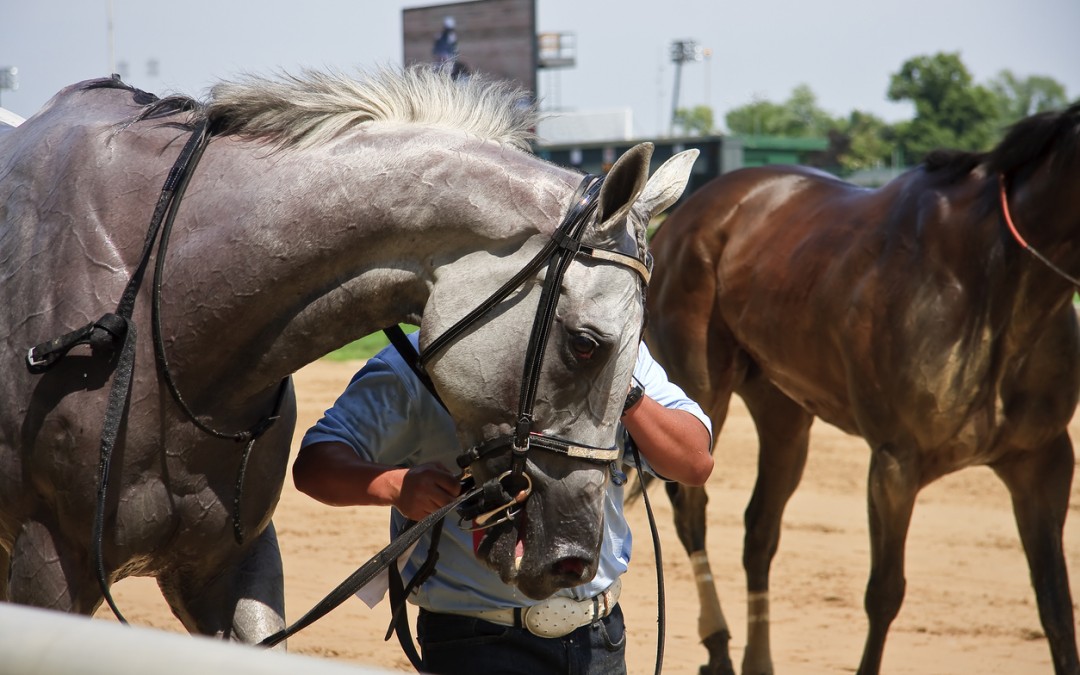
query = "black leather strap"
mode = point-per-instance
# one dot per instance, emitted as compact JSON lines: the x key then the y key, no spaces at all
{"x":399,"y":620}
{"x":367,"y":571}
{"x":405,"y":347}
{"x":399,"y":595}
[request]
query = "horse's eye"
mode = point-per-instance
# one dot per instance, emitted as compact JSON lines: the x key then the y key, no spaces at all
{"x":583,"y":345}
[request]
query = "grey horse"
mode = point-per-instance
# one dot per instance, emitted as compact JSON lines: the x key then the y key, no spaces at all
{"x":324,"y":207}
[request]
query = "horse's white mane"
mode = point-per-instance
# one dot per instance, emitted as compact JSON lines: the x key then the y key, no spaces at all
{"x":313,"y":107}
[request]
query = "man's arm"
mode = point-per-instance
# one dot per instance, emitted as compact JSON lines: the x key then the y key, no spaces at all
{"x":675,"y":442}
{"x":333,"y":473}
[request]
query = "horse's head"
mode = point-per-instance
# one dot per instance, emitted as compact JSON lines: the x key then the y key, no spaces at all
{"x":537,"y":379}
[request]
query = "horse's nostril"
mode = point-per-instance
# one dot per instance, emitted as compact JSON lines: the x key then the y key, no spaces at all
{"x":569,"y":567}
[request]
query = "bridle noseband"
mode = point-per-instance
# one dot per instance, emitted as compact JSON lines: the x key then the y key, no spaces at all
{"x":564,"y":245}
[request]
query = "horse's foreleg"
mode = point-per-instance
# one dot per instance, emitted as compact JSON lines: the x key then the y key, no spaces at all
{"x":260,"y":609}
{"x":688,"y":504}
{"x":891,"y":492}
{"x":44,"y":571}
{"x":783,"y":429}
{"x":1039,"y":483}
{"x":246,"y":603}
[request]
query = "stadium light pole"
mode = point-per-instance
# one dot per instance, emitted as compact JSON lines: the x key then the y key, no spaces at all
{"x":109,"y":36}
{"x":682,"y":51}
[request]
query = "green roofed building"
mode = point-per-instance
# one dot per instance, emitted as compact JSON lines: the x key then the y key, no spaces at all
{"x":762,"y":150}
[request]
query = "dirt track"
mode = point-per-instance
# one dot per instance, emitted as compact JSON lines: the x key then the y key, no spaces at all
{"x":969,"y":606}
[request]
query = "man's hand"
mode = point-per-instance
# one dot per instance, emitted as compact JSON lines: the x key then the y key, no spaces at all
{"x":424,"y":489}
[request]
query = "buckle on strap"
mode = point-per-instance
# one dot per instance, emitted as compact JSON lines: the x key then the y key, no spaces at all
{"x":102,"y":333}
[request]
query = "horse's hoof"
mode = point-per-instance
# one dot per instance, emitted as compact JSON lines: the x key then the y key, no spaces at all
{"x":719,"y":658}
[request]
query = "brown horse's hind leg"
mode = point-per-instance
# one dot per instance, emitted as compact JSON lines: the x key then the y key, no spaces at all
{"x":44,"y":573}
{"x":245,"y":603}
{"x":892,"y":488}
{"x":783,"y":429}
{"x":1039,"y":483}
{"x":688,"y":504}
{"x":702,"y":357}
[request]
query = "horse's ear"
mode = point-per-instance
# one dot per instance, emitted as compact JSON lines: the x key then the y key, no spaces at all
{"x":624,"y":182}
{"x":667,"y":184}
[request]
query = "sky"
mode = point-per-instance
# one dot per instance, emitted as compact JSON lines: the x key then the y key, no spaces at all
{"x":844,"y":50}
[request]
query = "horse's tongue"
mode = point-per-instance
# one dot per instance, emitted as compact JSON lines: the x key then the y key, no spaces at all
{"x":519,"y":547}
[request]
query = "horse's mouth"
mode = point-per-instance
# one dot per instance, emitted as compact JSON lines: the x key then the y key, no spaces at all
{"x":537,"y":575}
{"x":569,"y":570}
{"x":485,"y":539}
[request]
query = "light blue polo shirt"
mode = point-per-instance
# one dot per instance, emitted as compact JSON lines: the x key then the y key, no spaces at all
{"x":388,"y":416}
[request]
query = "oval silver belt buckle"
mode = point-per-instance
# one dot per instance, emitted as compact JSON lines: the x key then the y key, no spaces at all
{"x":542,"y":621}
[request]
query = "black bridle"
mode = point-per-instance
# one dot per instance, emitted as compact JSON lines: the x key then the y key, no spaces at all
{"x":564,"y":245}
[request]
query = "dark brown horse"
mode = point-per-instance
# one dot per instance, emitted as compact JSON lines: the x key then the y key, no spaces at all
{"x":909,"y":315}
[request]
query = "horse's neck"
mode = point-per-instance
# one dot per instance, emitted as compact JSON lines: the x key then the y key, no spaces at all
{"x":1030,"y":292}
{"x":334,"y":243}
{"x":1042,"y":209}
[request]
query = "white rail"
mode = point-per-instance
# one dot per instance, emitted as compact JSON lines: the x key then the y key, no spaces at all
{"x":41,"y":642}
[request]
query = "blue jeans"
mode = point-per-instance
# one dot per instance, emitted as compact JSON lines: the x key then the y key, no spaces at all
{"x":453,"y":645}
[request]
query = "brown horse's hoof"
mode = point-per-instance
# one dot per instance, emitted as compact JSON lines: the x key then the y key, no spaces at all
{"x":719,"y":658}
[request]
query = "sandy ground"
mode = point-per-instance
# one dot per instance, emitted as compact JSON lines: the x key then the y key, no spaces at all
{"x":969,"y":606}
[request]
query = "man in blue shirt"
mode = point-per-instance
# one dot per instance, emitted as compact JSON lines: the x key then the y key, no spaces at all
{"x":387,"y":441}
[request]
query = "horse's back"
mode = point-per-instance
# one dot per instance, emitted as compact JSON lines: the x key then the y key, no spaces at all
{"x":730,"y":228}
{"x":771,"y":261}
{"x":738,"y":204}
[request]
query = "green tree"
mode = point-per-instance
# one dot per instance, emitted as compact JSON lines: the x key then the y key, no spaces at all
{"x":755,"y":119}
{"x":798,"y":117}
{"x":805,"y":117}
{"x":950,"y":110}
{"x":696,"y":121}
{"x":1020,"y":97}
{"x":862,"y":141}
